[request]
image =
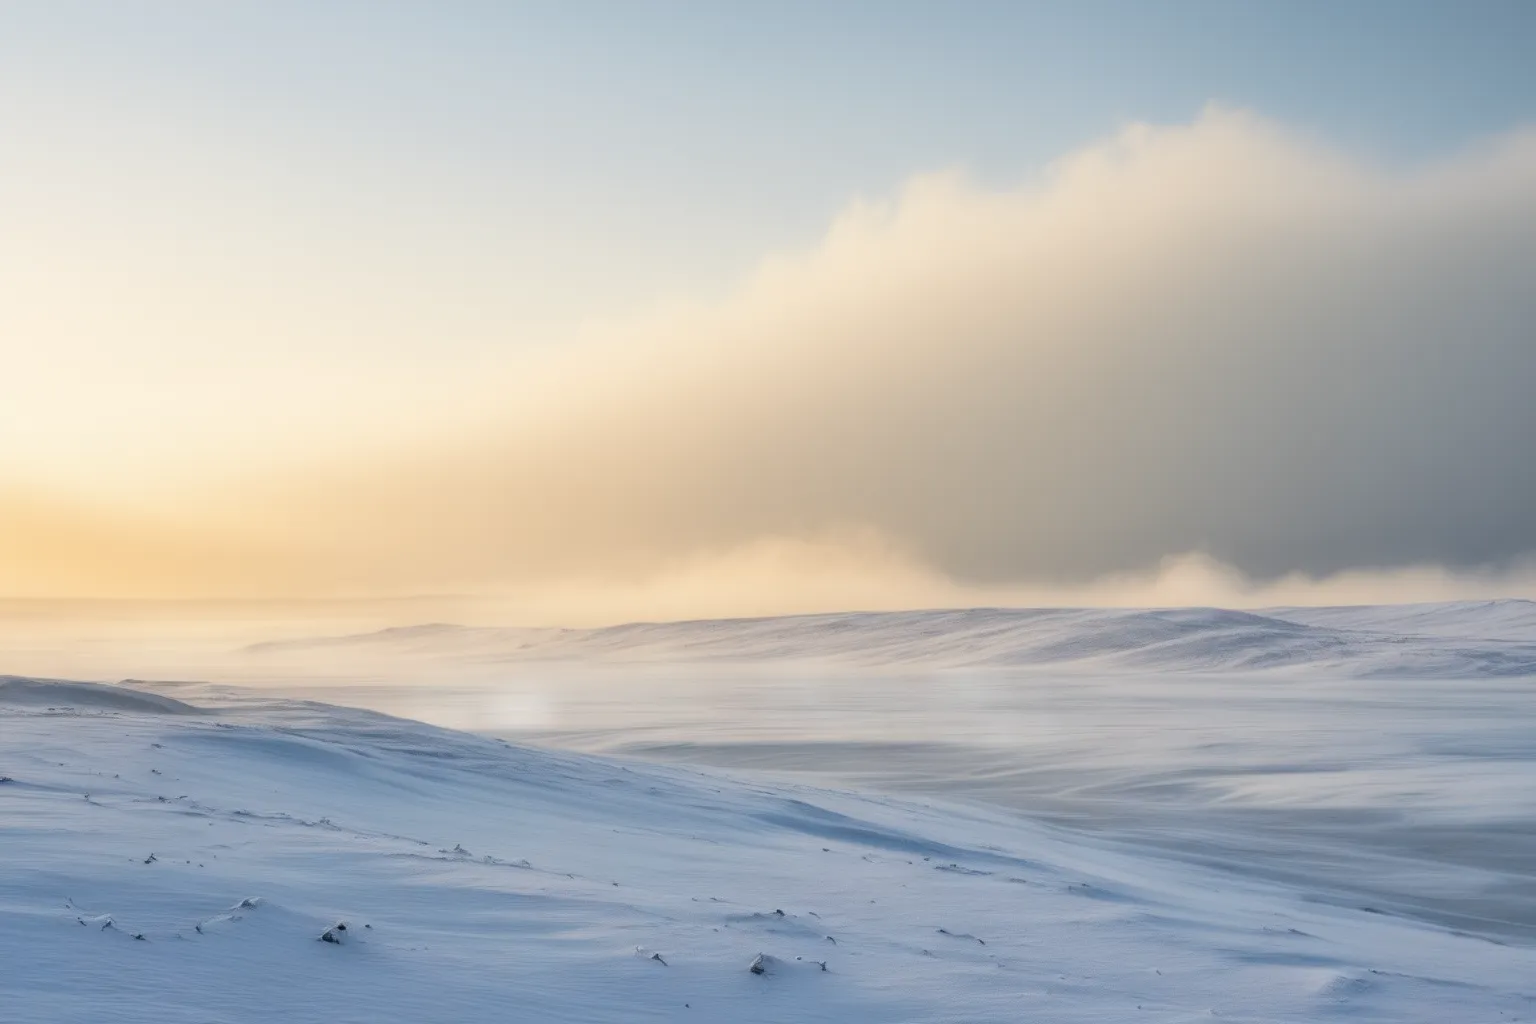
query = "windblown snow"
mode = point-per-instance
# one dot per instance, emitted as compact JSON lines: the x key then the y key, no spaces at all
{"x":1180,"y":815}
{"x":1485,"y":638}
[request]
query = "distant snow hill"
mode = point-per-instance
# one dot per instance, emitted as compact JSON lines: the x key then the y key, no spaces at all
{"x":55,"y":695}
{"x":257,"y":859}
{"x":1489,"y":638}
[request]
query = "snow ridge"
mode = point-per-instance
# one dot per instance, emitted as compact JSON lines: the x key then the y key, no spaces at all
{"x":1474,"y":639}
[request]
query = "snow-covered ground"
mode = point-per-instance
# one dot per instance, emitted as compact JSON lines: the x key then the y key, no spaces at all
{"x":1299,"y":815}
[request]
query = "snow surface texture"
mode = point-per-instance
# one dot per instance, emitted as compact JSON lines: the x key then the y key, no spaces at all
{"x":1381,"y":756}
{"x":1495,"y":638}
{"x":1309,"y":814}
{"x":164,"y":866}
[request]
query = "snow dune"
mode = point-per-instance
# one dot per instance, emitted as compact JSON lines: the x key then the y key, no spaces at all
{"x":1381,"y":755}
{"x":1451,"y":640}
{"x":1505,"y":619}
{"x":18,"y":691}
{"x":182,"y":867}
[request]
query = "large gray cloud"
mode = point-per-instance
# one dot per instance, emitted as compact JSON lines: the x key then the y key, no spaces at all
{"x":1214,"y":338}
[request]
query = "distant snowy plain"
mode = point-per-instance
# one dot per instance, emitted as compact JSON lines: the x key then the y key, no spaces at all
{"x":991,"y":815}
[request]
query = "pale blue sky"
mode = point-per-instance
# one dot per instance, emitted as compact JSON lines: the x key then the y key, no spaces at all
{"x":664,"y":147}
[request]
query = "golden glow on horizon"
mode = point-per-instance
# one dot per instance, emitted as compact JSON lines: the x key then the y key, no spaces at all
{"x":955,"y":369}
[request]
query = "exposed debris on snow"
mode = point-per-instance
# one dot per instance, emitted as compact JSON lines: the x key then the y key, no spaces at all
{"x":961,"y":935}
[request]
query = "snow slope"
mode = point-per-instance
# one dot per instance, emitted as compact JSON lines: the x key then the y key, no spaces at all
{"x":484,"y":881}
{"x":1504,"y":619}
{"x":1382,"y":755}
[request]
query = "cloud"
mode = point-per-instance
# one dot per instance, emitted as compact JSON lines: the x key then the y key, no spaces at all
{"x":1219,"y":338}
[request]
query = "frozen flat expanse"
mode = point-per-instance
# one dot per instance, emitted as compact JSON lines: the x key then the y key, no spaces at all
{"x":1307,"y":814}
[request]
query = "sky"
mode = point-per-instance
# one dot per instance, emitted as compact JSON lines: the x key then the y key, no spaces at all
{"x":644,"y":309}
